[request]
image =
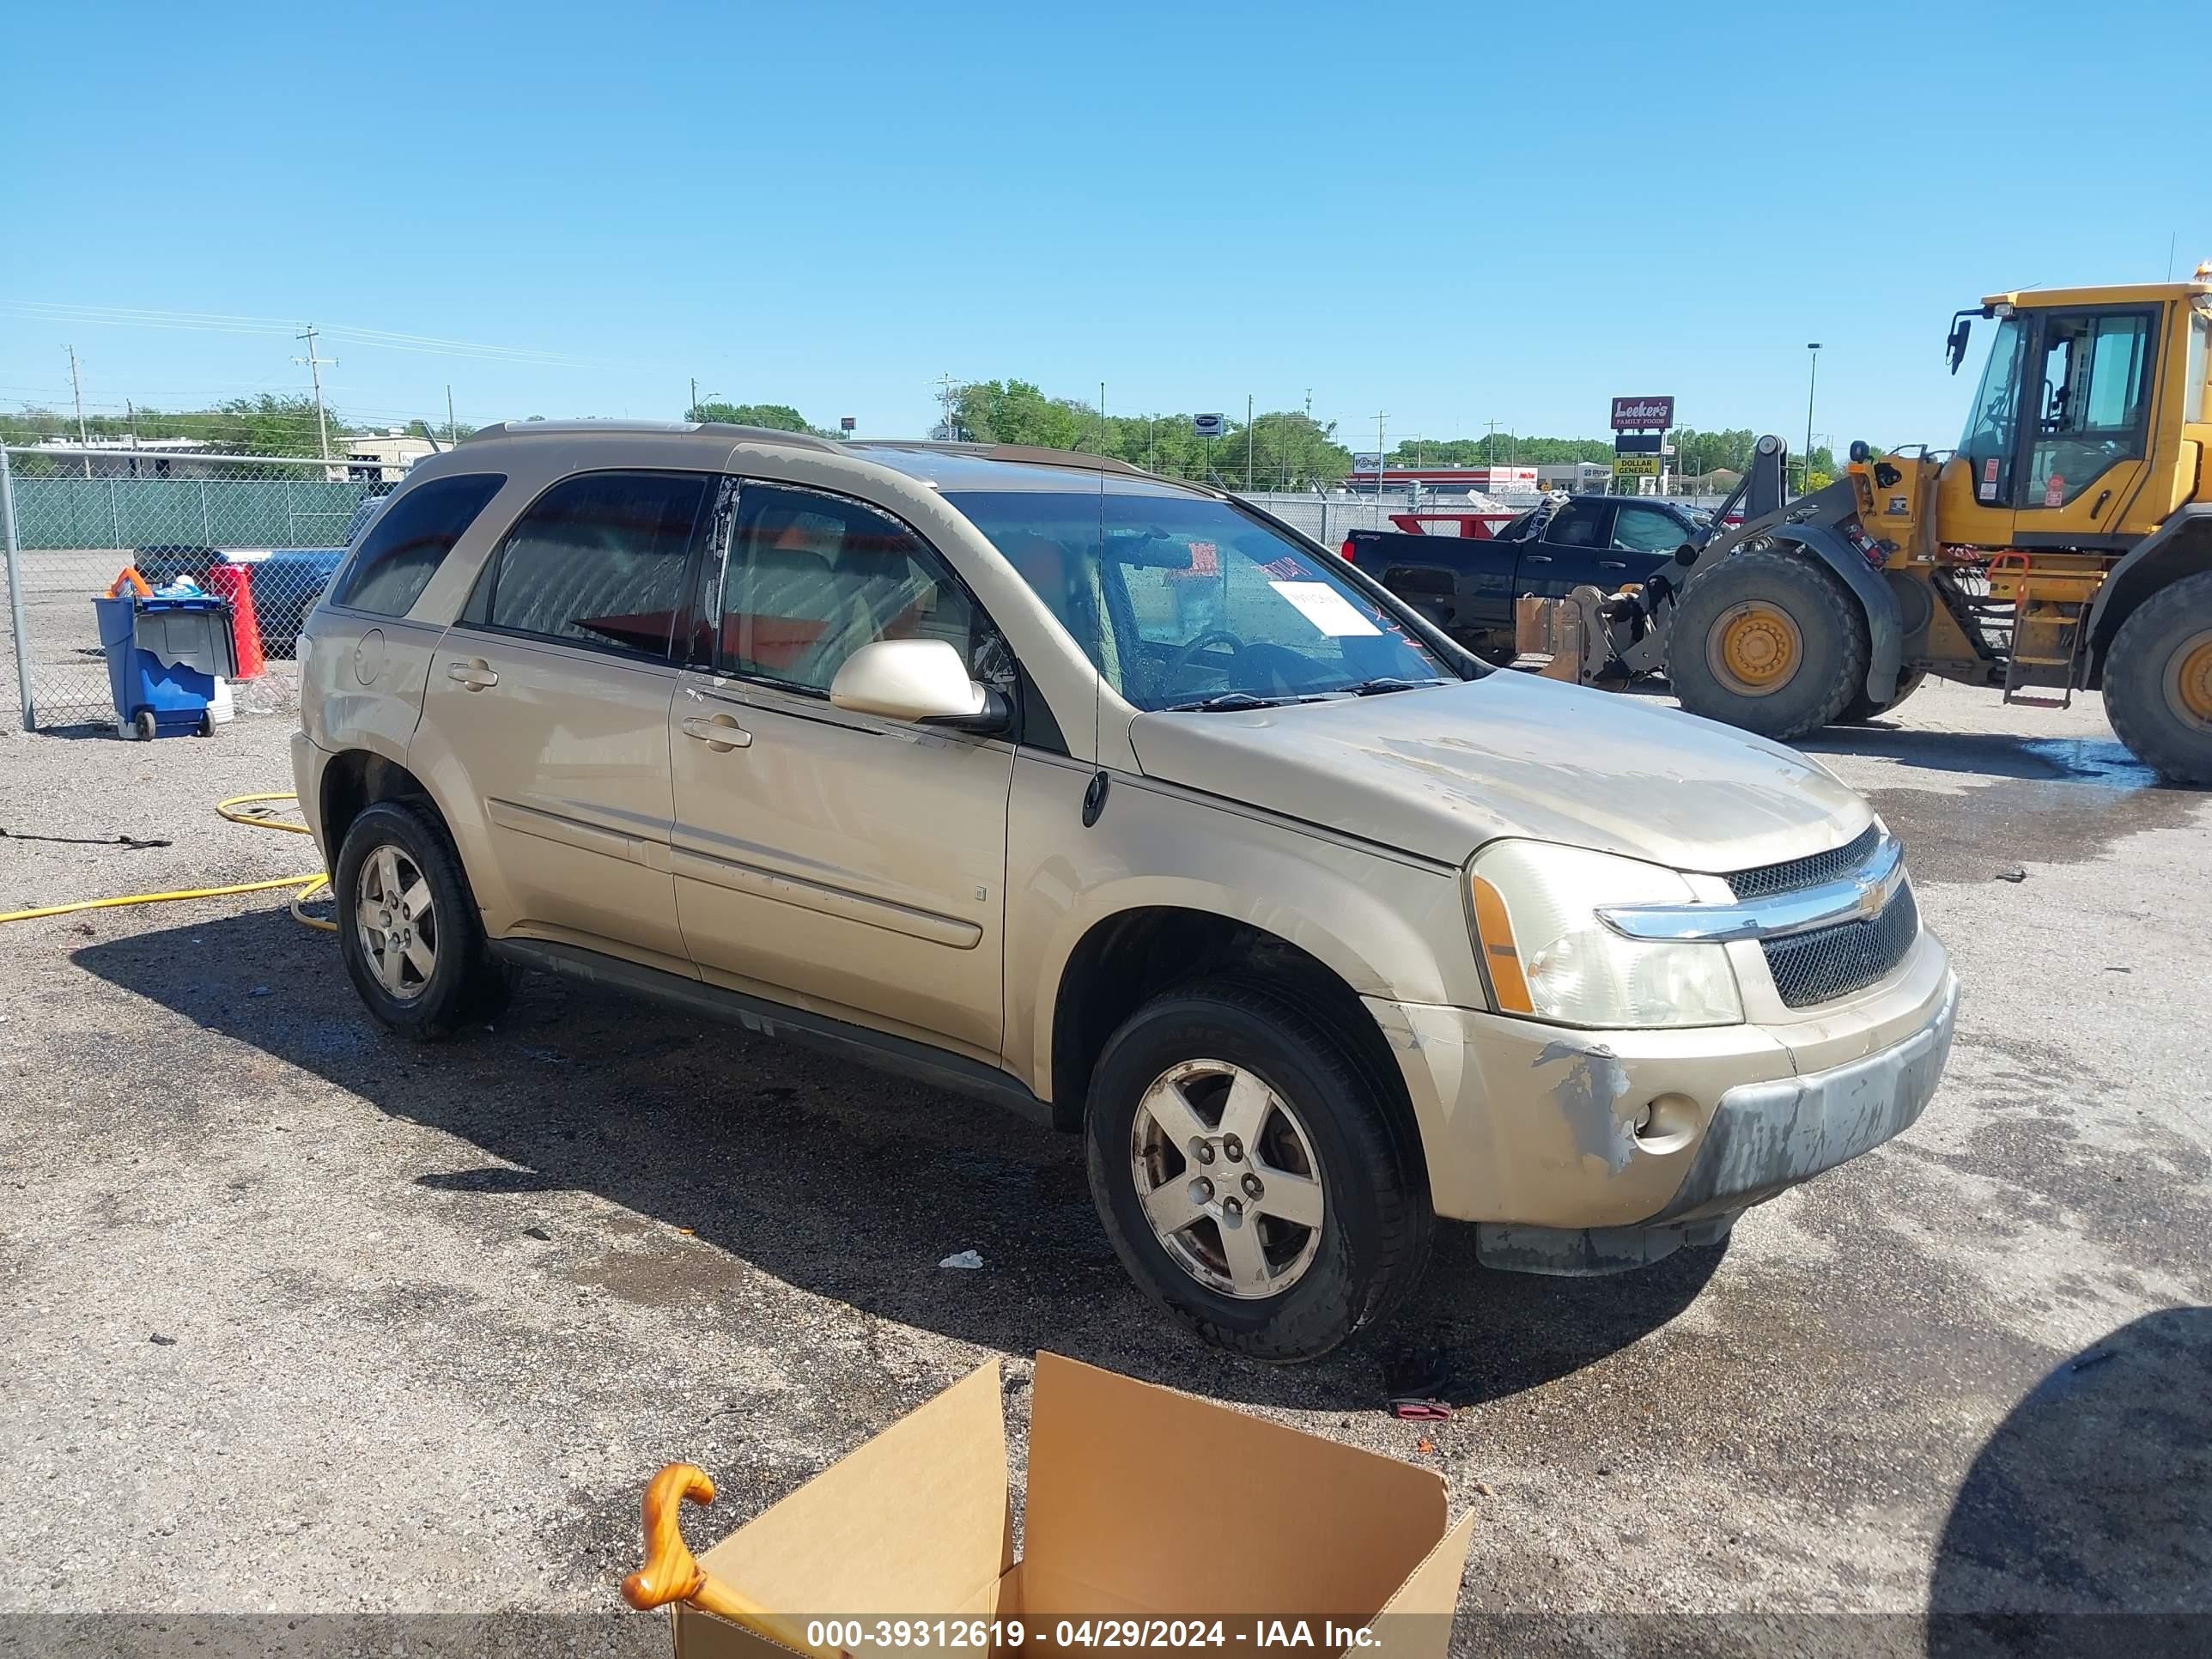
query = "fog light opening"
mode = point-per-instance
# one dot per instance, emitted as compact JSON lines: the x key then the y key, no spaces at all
{"x":1667,"y":1123}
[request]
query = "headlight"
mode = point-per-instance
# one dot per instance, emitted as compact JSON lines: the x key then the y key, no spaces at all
{"x":1549,"y":956}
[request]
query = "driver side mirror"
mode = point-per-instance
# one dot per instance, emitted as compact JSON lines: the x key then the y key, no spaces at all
{"x":923,"y":681}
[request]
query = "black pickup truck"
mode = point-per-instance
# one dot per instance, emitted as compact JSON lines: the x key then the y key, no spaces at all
{"x":1466,"y":584}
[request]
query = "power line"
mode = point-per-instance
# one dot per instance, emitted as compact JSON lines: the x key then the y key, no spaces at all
{"x":357,"y":334}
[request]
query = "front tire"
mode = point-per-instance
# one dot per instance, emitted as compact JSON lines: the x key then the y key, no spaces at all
{"x":1770,"y":641}
{"x":1250,"y":1173}
{"x":409,"y":930}
{"x":2158,"y":681}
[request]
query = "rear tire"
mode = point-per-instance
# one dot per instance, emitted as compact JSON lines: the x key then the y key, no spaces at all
{"x":2158,"y":681}
{"x":1770,"y":641}
{"x":1318,"y":1106}
{"x":1860,"y":709}
{"x":409,"y":930}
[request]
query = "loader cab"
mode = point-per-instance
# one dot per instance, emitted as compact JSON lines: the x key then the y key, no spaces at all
{"x":2073,"y":433}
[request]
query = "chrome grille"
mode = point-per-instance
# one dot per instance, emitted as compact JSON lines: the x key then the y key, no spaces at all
{"x":1834,"y":961}
{"x":1793,"y":873}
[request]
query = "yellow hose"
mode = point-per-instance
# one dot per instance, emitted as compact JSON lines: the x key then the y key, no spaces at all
{"x":234,"y":809}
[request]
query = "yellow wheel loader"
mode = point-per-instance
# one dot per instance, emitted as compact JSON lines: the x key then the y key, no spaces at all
{"x":2065,"y":545}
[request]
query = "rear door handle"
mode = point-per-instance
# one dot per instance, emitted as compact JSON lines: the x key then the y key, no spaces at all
{"x":1613,"y":564}
{"x":1536,"y":558}
{"x":476,"y":675}
{"x":718,"y":731}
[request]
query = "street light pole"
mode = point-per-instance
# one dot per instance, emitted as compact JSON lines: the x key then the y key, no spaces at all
{"x":1812,"y":382}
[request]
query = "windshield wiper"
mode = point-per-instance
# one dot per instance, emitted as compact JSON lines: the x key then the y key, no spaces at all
{"x":1386,"y":683}
{"x":1225,"y":703}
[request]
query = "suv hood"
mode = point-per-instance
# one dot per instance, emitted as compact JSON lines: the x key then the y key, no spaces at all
{"x":1441,"y":771}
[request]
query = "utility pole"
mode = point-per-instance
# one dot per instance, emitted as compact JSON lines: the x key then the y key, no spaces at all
{"x":1812,"y":382}
{"x":1489,"y":445}
{"x":694,"y":404}
{"x":315,"y":369}
{"x":452,"y":427}
{"x":76,"y":390}
{"x":1381,"y":416}
{"x":1247,"y":440}
{"x":945,"y":399}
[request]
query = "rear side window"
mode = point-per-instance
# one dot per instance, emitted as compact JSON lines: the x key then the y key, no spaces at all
{"x":599,"y":561}
{"x":409,"y":540}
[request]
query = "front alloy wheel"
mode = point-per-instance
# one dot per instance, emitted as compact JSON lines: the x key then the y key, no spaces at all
{"x":1227,"y":1178}
{"x":1256,"y":1170}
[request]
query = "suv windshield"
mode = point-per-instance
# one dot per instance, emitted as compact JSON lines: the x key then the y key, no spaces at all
{"x":1183,"y":601}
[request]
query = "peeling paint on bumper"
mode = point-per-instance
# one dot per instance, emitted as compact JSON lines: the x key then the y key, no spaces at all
{"x":1769,"y":1137}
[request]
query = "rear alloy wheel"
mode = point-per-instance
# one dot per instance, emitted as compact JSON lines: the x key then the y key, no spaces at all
{"x":2158,"y":681}
{"x":397,"y":921}
{"x":1772,"y":642}
{"x":408,"y":928}
{"x":1256,"y":1177}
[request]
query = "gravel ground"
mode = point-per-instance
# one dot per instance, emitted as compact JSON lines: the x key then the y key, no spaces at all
{"x":306,"y":1320}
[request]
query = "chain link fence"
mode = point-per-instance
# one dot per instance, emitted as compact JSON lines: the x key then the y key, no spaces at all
{"x":74,"y":517}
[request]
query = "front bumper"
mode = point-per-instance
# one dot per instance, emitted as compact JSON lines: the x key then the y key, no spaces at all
{"x":1545,"y":1135}
{"x":1765,"y":1139}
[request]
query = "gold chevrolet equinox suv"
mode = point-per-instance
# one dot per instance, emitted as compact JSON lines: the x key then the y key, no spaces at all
{"x":1120,"y":801}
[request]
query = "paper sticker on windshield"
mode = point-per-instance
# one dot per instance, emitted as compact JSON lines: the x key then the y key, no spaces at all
{"x":1327,"y":609}
{"x":1989,"y":490}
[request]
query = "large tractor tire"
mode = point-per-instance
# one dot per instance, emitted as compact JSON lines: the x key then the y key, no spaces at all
{"x":1772,"y":642}
{"x":1861,"y":708}
{"x":2158,"y":681}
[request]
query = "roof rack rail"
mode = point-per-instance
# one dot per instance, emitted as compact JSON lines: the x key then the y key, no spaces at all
{"x":712,"y":428}
{"x":1029,"y":455}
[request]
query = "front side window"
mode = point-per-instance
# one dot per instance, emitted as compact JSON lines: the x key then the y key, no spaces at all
{"x":2095,"y":384}
{"x":1646,"y":530}
{"x":1993,"y":425}
{"x":1181,"y":599}
{"x":599,"y":560}
{"x":810,"y":578}
{"x":405,"y":547}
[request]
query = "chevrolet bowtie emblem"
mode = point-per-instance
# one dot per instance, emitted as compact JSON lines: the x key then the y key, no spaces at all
{"x":1873,"y":895}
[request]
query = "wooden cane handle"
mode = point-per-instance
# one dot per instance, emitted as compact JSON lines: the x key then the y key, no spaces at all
{"x":670,"y":1573}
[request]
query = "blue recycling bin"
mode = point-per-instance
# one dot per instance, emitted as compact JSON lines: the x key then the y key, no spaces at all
{"x":163,"y":657}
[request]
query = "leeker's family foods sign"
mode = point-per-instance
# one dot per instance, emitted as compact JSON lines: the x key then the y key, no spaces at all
{"x":1638,"y":414}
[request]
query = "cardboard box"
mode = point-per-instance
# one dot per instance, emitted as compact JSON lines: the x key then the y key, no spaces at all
{"x":1142,"y":1503}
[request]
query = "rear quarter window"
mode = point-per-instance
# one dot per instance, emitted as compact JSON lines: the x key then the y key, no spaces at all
{"x":409,"y":540}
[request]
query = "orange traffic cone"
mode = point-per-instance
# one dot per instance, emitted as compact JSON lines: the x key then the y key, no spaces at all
{"x":233,"y":584}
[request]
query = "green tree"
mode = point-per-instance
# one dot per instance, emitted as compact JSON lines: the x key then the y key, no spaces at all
{"x":777,"y":417}
{"x":1289,"y":450}
{"x":266,"y":425}
{"x":1017,"y":412}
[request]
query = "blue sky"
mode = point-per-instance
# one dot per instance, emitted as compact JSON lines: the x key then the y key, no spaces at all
{"x":1455,"y":213}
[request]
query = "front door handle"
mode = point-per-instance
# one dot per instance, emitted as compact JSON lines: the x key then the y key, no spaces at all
{"x":718,"y":731}
{"x":475,"y":674}
{"x":1536,"y":558}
